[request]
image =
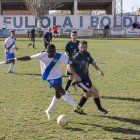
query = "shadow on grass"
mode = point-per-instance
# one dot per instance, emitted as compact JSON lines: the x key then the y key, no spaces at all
{"x":73,"y":129}
{"x":133,"y":121}
{"x":116,"y":129}
{"x":120,"y":98}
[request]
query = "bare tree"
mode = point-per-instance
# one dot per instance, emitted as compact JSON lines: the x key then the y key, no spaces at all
{"x":40,"y":7}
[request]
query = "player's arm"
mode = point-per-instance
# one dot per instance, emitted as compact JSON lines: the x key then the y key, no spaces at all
{"x":6,"y":48}
{"x":77,"y":62}
{"x":96,"y":68}
{"x":15,"y":47}
{"x":45,"y":40}
{"x":70,"y":70}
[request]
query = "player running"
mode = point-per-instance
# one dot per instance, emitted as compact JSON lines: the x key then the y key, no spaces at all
{"x":70,"y":50}
{"x":32,"y":36}
{"x":51,"y":72}
{"x":9,"y":43}
{"x":86,"y":84}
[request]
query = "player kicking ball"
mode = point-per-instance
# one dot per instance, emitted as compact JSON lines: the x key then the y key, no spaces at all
{"x":9,"y":43}
{"x":51,"y":72}
{"x":86,"y":83}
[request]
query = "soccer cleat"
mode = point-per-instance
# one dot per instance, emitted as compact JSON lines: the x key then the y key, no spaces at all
{"x":103,"y":111}
{"x":10,"y":71}
{"x":49,"y":115}
{"x":28,"y":46}
{"x":78,"y":110}
{"x":67,"y":92}
{"x":74,"y":87}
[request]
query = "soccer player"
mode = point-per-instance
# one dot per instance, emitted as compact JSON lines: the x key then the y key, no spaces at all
{"x":32,"y":36}
{"x":51,"y":72}
{"x":86,"y":83}
{"x":70,"y":50}
{"x":47,"y":38}
{"x":9,"y":43}
{"x":55,"y":30}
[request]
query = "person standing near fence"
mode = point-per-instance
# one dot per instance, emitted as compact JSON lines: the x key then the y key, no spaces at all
{"x":134,"y":25}
{"x":4,"y":25}
{"x":100,"y":26}
{"x":138,"y":26}
{"x":106,"y":29}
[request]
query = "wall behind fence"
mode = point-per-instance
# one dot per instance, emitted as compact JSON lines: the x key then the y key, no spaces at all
{"x":67,"y":22}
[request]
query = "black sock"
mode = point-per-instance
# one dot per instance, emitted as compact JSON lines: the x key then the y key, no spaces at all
{"x":57,"y":35}
{"x":74,"y":83}
{"x":82,"y":101}
{"x":30,"y":44}
{"x":68,"y":84}
{"x":97,"y":102}
{"x":33,"y":46}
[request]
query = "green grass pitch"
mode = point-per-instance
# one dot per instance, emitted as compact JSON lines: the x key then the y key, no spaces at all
{"x":24,"y":96}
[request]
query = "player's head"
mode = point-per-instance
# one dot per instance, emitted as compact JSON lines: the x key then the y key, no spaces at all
{"x":83,"y":47}
{"x":73,"y":35}
{"x":12,"y":33}
{"x":51,"y":50}
{"x":33,"y":27}
{"x":54,"y":24}
{"x":49,"y":29}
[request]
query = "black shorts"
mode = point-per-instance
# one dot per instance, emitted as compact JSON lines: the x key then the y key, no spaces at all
{"x":46,"y":45}
{"x":55,"y":32}
{"x":32,"y":39}
{"x":85,"y":84}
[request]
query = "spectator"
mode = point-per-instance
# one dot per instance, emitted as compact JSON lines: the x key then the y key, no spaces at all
{"x":138,"y":26}
{"x":100,"y":26}
{"x":4,"y":26}
{"x":134,"y":25}
{"x":106,"y":29}
{"x":55,"y":30}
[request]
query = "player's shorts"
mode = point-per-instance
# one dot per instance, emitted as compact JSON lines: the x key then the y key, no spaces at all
{"x":32,"y":38}
{"x":55,"y":32}
{"x":85,"y":84}
{"x":54,"y":81}
{"x":8,"y":56}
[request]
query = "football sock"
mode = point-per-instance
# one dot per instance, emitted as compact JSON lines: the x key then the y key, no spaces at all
{"x":30,"y":44}
{"x":69,"y":100}
{"x":82,"y":101}
{"x":68,"y":84}
{"x":97,"y":102}
{"x":33,"y":46}
{"x":53,"y":104}
{"x":74,"y":83}
{"x":11,"y":66}
{"x":2,"y":63}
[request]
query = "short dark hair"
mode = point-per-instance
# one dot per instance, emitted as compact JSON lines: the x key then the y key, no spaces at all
{"x":50,"y":47}
{"x":12,"y":31}
{"x":83,"y":42}
{"x":33,"y":26}
{"x":73,"y":31}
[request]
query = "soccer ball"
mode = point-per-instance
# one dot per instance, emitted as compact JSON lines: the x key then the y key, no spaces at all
{"x":62,"y":120}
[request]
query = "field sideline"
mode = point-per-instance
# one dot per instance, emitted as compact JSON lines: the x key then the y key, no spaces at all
{"x":24,"y":96}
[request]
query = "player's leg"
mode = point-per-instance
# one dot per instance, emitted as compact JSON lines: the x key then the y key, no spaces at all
{"x":33,"y":44}
{"x":30,"y":43}
{"x":71,"y":77}
{"x":8,"y":56}
{"x":54,"y":102}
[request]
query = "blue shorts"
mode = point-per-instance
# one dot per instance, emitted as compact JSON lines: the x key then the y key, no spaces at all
{"x":54,"y":81}
{"x":8,"y":56}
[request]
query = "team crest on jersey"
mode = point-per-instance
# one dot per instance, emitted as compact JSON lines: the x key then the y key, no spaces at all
{"x":51,"y":81}
{"x":55,"y":60}
{"x":87,"y":83}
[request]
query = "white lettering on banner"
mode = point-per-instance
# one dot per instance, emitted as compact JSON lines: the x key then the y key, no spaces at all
{"x":132,"y":32}
{"x":117,"y":32}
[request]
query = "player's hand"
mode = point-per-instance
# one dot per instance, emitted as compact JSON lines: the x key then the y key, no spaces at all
{"x":8,"y":51}
{"x":83,"y":64}
{"x":10,"y":61}
{"x":101,"y":73}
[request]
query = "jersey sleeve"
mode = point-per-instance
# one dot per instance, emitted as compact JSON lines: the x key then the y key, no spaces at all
{"x":64,"y":58}
{"x":67,"y":48}
{"x":91,"y":61}
{"x":36,"y":56}
{"x":45,"y":35}
{"x":72,"y":63}
{"x":6,"y":41}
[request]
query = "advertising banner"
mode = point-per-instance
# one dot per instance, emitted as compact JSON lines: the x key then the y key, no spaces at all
{"x":132,"y":32}
{"x":4,"y":32}
{"x":20,"y":32}
{"x":85,"y":32}
{"x":117,"y":32}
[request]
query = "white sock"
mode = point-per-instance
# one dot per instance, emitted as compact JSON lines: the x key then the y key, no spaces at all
{"x":2,"y":63}
{"x":11,"y":66}
{"x":53,"y":104}
{"x":69,"y":100}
